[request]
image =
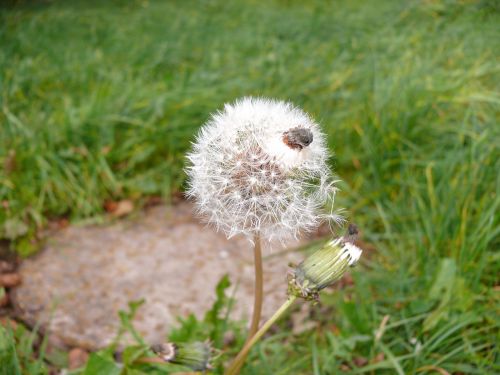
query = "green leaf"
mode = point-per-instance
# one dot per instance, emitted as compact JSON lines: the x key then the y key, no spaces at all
{"x":9,"y":362}
{"x":220,"y":291}
{"x":463,"y":296}
{"x":100,"y":363}
{"x":441,"y":290}
{"x":214,"y":317}
{"x":445,"y":278}
{"x":189,"y":330}
{"x":25,"y":246}
{"x":132,"y":353}
{"x":57,"y":358}
{"x":214,"y":324}
{"x":126,"y":320}
{"x":356,"y":316}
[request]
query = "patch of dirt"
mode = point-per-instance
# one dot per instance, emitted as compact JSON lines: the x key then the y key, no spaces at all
{"x":75,"y":287}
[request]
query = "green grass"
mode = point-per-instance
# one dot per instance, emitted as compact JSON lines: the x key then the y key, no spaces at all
{"x":101,"y":101}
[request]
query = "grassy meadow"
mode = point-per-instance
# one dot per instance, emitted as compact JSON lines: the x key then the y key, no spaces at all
{"x":99,"y":101}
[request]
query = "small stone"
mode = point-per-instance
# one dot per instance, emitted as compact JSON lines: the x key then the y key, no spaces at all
{"x":10,"y":280}
{"x":77,"y":358}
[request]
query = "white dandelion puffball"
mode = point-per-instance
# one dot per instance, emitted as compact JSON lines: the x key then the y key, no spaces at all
{"x":260,"y":167}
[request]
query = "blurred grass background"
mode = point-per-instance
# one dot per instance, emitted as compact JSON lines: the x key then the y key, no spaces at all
{"x":100,"y":100}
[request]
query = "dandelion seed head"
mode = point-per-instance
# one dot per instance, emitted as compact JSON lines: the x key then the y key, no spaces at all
{"x":260,"y":165}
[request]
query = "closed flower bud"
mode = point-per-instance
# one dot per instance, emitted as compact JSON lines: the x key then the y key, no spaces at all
{"x":323,"y":268}
{"x":195,"y":355}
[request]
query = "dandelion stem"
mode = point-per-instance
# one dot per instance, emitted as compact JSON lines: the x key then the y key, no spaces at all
{"x":258,"y":294}
{"x":257,"y":303}
{"x":240,"y":358}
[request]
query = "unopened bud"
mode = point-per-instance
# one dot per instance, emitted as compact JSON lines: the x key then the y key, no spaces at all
{"x":195,"y":355}
{"x":323,"y":268}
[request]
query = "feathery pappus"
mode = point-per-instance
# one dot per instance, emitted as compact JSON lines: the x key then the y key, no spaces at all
{"x":259,"y":166}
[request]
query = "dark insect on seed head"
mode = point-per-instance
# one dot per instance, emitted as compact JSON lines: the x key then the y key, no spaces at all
{"x":352,"y":233}
{"x":352,"y":229}
{"x":298,"y":138}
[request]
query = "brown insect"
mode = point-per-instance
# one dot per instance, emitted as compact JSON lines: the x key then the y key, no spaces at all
{"x":352,"y":233}
{"x":298,"y":138}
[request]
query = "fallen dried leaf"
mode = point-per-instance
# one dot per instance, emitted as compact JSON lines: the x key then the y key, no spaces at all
{"x":378,"y":358}
{"x":335,"y":329}
{"x":153,"y":201}
{"x":398,"y":305}
{"x":120,"y":208}
{"x":381,"y":329}
{"x":77,"y":358}
{"x":360,"y":361}
{"x":10,"y":162}
{"x":8,"y":323}
{"x":10,"y":280}
{"x":110,"y":206}
{"x":63,"y":223}
{"x":4,"y":298}
{"x":356,"y":163}
{"x":6,"y":266}
{"x":345,"y":368}
{"x":105,"y":150}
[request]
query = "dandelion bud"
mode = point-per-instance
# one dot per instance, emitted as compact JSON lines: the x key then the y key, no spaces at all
{"x":195,"y":355}
{"x":323,"y":268}
{"x":260,"y":166}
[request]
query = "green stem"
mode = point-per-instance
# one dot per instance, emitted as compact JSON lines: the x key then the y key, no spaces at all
{"x":240,"y":358}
